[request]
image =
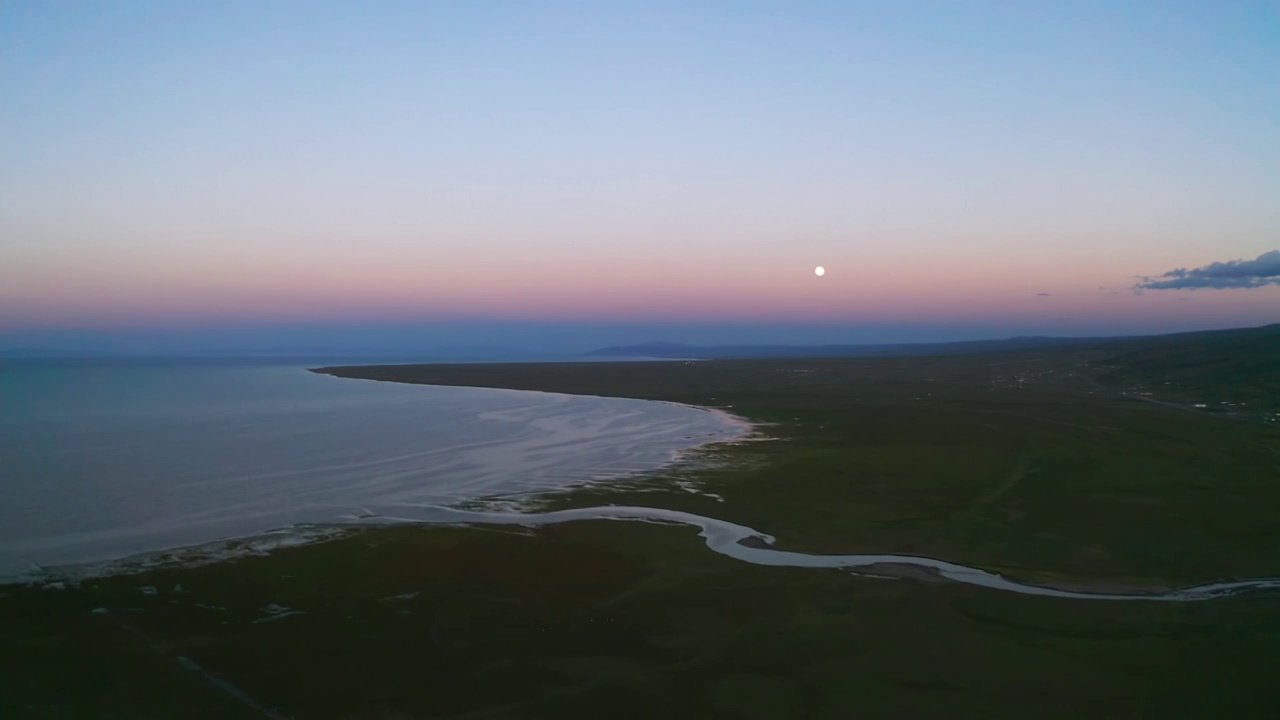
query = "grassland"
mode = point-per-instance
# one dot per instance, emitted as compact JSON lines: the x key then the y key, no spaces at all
{"x":1036,"y":465}
{"x":1023,"y":463}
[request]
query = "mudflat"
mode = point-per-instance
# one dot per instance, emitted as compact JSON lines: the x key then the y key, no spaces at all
{"x":102,"y":461}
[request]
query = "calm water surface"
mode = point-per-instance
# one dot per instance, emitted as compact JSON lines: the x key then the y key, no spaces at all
{"x":102,"y":461}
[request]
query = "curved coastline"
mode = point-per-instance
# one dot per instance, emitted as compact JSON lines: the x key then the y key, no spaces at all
{"x":727,"y":538}
{"x":244,"y":450}
{"x":752,"y":546}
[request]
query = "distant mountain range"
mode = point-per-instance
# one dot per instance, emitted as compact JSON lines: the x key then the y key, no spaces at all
{"x":713,"y":352}
{"x":1231,"y":347}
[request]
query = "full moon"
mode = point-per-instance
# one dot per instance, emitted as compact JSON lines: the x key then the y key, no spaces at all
{"x":819,"y":271}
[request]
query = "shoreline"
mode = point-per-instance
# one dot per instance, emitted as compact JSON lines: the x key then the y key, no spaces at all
{"x":528,"y":509}
{"x":894,"y":565}
{"x":723,"y":537}
{"x":234,"y":546}
{"x":727,"y":538}
{"x":662,"y":595}
{"x":748,"y":426}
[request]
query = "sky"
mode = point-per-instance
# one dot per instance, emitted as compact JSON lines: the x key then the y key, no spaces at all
{"x":560,"y":175}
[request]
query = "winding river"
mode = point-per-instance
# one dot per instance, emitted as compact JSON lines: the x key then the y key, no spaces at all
{"x":730,"y":539}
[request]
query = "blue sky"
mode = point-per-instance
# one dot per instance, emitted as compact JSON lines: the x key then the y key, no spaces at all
{"x":168,"y":168}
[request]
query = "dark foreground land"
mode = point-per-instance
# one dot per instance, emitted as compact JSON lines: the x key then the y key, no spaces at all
{"x":1079,"y":468}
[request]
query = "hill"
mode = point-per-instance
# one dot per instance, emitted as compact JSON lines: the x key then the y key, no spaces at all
{"x":1241,"y":365}
{"x":717,"y":352}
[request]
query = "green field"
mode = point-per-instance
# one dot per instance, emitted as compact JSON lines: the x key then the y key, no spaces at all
{"x":1051,"y":467}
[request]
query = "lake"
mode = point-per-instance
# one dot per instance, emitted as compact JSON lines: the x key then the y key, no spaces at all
{"x":104,"y":460}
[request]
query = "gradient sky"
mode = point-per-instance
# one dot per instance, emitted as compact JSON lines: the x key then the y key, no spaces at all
{"x":301,"y":174}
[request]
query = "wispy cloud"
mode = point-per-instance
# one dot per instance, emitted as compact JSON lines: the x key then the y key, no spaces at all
{"x":1259,"y":272}
{"x":1044,"y":294}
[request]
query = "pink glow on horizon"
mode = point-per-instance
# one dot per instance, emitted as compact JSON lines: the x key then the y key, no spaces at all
{"x":689,"y":293}
{"x":864,"y":283}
